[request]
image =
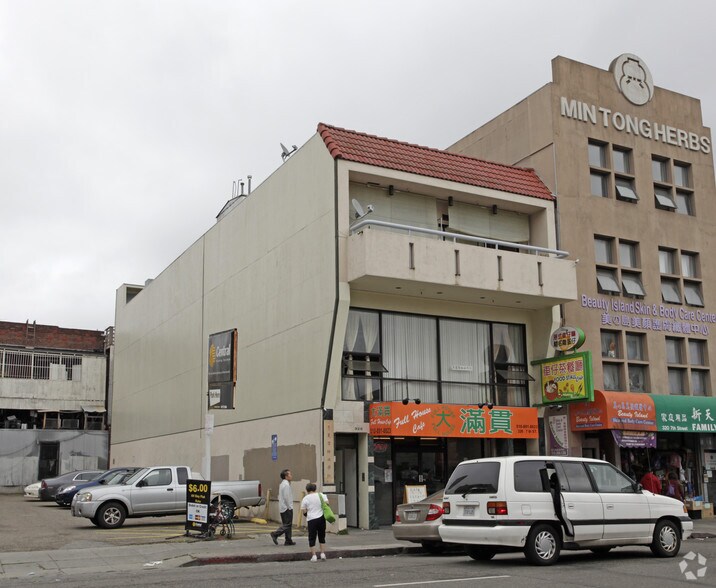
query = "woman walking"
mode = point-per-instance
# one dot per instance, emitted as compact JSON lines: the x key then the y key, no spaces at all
{"x":313,"y":511}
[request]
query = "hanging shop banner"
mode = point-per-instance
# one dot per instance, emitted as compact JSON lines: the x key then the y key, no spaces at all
{"x":614,"y":410}
{"x":567,"y":378}
{"x":452,"y":420}
{"x":634,"y":439}
{"x":222,"y":357}
{"x":558,"y":435}
{"x":685,"y":414}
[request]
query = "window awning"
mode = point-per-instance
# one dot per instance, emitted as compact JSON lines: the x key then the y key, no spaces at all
{"x":645,"y":412}
{"x":94,"y":409}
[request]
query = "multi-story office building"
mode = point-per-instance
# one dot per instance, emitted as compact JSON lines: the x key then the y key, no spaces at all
{"x":367,"y":285}
{"x":53,"y":390}
{"x":631,"y":165}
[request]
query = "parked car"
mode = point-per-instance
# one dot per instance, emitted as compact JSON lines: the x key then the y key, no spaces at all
{"x":541,"y":505}
{"x":50,"y":486}
{"x":32,"y":490}
{"x":419,"y":522}
{"x":65,"y":494}
{"x":154,"y":492}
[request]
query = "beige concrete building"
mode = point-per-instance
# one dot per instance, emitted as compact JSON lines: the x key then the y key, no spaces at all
{"x":631,"y":165}
{"x":365,"y":280}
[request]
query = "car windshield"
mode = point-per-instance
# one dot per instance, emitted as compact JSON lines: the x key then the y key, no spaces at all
{"x":474,"y":478}
{"x":134,"y":477}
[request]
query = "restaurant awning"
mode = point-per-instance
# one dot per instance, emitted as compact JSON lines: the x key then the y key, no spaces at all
{"x":644,"y":412}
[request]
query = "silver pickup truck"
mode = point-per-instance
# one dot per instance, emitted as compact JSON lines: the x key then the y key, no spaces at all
{"x":154,"y":492}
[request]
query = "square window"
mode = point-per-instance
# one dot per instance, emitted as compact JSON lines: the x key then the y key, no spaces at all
{"x":698,"y":382}
{"x":610,"y":344}
{"x":692,"y":294}
{"x":627,"y":254}
{"x":599,"y":184}
{"x":676,"y":381}
{"x":621,"y":159}
{"x":664,"y":199}
{"x":625,"y":189}
{"x":607,"y":282}
{"x":611,"y":376}
{"x":697,"y":352}
{"x":597,"y":154}
{"x":688,"y":265}
{"x":684,"y":203}
{"x":660,"y":169}
{"x":603,"y":250}
{"x":670,"y":291}
{"x":632,"y":284}
{"x":666,"y":261}
{"x":682,"y":174}
{"x":637,"y":378}
{"x":635,"y":346}
{"x":673,"y":351}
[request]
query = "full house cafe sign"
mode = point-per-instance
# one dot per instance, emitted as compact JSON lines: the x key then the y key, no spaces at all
{"x":633,"y":79}
{"x":395,"y":419}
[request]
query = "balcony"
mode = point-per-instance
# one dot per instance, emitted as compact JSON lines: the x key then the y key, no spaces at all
{"x":395,"y":259}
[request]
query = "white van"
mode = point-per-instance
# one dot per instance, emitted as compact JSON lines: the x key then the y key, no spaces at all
{"x":541,"y":505}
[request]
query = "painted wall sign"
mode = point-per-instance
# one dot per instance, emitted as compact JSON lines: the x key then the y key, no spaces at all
{"x":567,"y":378}
{"x":452,"y":420}
{"x":636,"y":314}
{"x":633,"y":125}
{"x":566,"y":338}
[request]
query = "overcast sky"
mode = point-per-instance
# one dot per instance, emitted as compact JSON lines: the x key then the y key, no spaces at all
{"x":123,"y":124}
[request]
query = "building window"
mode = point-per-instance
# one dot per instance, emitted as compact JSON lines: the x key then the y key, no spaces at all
{"x":621,"y":159}
{"x":625,"y":189}
{"x":697,"y":352}
{"x":603,"y":250}
{"x":635,"y":347}
{"x":628,"y":254}
{"x":597,"y":154}
{"x":637,"y":378}
{"x":699,"y":382}
{"x":611,"y":165}
{"x":666,"y":261}
{"x":692,"y":294}
{"x":599,"y":183}
{"x":610,"y":344}
{"x":670,"y":291}
{"x":611,"y":376}
{"x":631,"y":282}
{"x":676,"y":381}
{"x":674,"y":354}
{"x":607,"y":282}
{"x":689,"y":265}
{"x":676,"y":196}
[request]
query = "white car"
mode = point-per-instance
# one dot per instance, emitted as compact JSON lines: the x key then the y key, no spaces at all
{"x":541,"y":505}
{"x":32,"y":490}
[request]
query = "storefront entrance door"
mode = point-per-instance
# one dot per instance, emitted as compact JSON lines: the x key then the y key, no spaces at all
{"x":418,"y":463}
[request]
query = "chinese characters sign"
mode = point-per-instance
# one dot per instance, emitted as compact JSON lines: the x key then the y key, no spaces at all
{"x":452,"y":420}
{"x":685,"y":414}
{"x":566,"y":338}
{"x":566,"y":378}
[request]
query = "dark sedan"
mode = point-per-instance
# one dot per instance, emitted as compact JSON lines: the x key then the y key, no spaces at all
{"x":50,"y":486}
{"x":114,"y":476}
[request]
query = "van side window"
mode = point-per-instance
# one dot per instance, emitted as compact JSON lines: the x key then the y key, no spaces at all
{"x":574,"y":477}
{"x":610,"y":479}
{"x":528,"y":477}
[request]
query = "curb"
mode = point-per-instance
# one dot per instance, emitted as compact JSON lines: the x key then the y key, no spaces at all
{"x":702,"y":535}
{"x":301,"y":556}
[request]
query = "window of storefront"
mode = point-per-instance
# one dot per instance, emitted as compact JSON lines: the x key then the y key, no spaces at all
{"x":395,"y":356}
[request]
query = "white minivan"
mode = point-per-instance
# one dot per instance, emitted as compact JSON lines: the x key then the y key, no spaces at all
{"x":541,"y":505}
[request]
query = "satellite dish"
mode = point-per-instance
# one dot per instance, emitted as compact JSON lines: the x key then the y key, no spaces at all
{"x":358,"y":208}
{"x":284,"y":149}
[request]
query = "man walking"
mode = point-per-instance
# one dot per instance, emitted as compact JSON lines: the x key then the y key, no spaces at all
{"x":285,"y":508}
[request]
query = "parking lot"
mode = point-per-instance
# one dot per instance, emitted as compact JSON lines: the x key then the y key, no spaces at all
{"x":32,"y":525}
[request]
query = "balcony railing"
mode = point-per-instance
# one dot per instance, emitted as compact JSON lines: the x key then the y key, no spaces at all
{"x":497,"y":244}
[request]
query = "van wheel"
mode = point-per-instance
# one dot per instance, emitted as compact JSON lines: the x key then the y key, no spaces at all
{"x":601,"y":551}
{"x":480,"y":553}
{"x":543,"y":545}
{"x":434,"y":547}
{"x":667,"y":539}
{"x":94,"y":521}
{"x":111,"y":515}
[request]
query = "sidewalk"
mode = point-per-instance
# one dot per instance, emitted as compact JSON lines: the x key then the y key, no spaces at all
{"x":192,"y":552}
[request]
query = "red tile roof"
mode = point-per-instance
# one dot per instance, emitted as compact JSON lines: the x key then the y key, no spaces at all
{"x":434,"y":163}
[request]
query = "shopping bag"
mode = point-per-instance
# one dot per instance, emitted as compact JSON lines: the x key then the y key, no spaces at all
{"x":327,"y":512}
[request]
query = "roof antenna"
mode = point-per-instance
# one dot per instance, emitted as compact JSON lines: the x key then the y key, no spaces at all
{"x":285,"y":153}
